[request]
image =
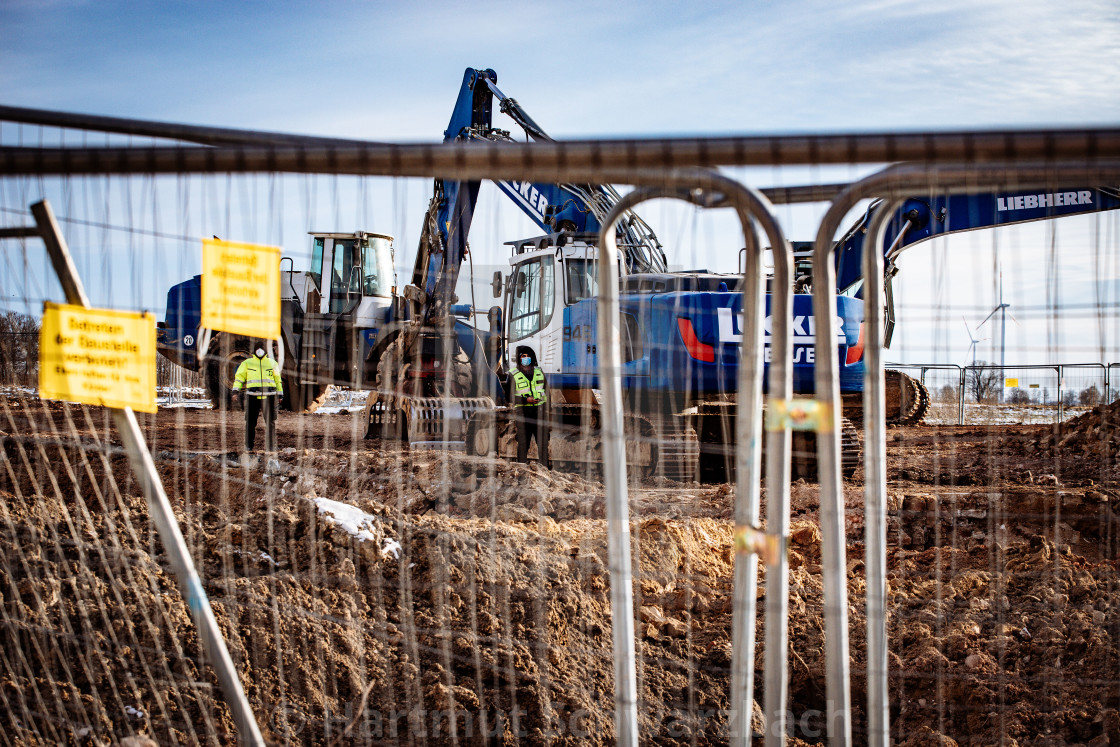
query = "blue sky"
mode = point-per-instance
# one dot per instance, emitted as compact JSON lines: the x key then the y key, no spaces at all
{"x":388,"y":70}
{"x":391,"y":71}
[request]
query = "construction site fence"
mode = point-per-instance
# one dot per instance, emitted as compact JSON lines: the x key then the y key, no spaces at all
{"x":160,"y":579}
{"x":1012,"y":394}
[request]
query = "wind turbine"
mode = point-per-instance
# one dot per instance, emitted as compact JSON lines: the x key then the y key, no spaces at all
{"x":1002,"y":309}
{"x":971,"y":343}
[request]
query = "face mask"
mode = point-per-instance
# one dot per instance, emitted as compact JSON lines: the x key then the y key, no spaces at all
{"x":526,"y":360}
{"x":260,"y":352}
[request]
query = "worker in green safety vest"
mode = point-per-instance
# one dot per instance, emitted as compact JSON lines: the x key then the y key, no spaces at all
{"x":258,"y":377}
{"x":529,"y":395}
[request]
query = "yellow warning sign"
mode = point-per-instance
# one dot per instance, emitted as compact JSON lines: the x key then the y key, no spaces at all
{"x":241,"y":288}
{"x":798,"y":415}
{"x":751,"y":540}
{"x":1012,"y":383}
{"x":98,"y":357}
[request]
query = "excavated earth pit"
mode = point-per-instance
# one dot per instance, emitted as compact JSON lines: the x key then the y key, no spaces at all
{"x":373,"y":595}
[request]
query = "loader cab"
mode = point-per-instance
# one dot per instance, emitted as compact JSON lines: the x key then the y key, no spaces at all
{"x":351,"y":274}
{"x":346,"y":296}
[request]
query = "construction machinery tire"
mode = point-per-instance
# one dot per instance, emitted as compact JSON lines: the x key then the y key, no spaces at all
{"x":391,"y":370}
{"x":399,"y":397}
{"x":923,"y":404}
{"x":225,"y":354}
{"x":384,"y":416}
{"x":303,"y":398}
{"x":392,"y":374}
{"x":482,"y":437}
{"x":903,"y":396}
{"x":490,"y":433}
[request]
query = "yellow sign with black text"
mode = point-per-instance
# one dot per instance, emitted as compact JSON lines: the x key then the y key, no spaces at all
{"x":98,"y":357}
{"x":241,"y":288}
{"x":1012,"y":383}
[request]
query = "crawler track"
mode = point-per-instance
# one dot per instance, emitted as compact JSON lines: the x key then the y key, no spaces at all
{"x":907,"y":400}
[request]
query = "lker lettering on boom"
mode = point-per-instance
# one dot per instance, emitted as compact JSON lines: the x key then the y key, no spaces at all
{"x":803,"y":330}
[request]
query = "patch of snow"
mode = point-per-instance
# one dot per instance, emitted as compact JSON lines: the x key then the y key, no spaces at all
{"x":977,"y":414}
{"x":134,"y":712}
{"x":266,"y":556}
{"x":357,"y":523}
{"x":186,"y":397}
{"x":192,"y":391}
{"x":20,"y":391}
{"x":349,"y":518}
{"x":343,"y":400}
{"x":185,"y":404}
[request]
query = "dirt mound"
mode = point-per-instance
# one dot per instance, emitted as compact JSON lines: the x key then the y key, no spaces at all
{"x":415,"y":597}
{"x":349,"y":602}
{"x":1093,"y":434}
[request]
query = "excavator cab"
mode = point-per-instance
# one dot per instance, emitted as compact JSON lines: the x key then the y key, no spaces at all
{"x":547,"y":274}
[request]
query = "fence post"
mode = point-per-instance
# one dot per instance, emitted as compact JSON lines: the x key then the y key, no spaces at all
{"x":875,"y":485}
{"x":159,"y":506}
{"x":896,"y":182}
{"x":1060,"y":397}
{"x":963,"y":391}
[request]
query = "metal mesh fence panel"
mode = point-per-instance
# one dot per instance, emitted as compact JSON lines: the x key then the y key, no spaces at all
{"x":1083,"y":388}
{"x":368,"y":590}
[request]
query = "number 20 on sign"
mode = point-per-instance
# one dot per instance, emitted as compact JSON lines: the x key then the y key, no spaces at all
{"x":98,"y":357}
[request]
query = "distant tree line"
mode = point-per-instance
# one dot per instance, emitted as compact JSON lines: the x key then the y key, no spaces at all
{"x":1090,"y":396}
{"x":19,"y":349}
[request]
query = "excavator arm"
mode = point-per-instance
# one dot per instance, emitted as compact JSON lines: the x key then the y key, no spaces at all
{"x":553,"y":207}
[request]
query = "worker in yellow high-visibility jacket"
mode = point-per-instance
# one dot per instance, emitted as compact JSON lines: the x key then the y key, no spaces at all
{"x":529,"y":396}
{"x":259,"y":377}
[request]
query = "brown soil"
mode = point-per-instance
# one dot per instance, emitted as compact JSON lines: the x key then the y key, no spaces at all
{"x":1002,"y":566}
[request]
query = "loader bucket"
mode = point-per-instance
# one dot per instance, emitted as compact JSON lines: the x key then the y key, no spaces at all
{"x":424,"y":421}
{"x":442,"y":421}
